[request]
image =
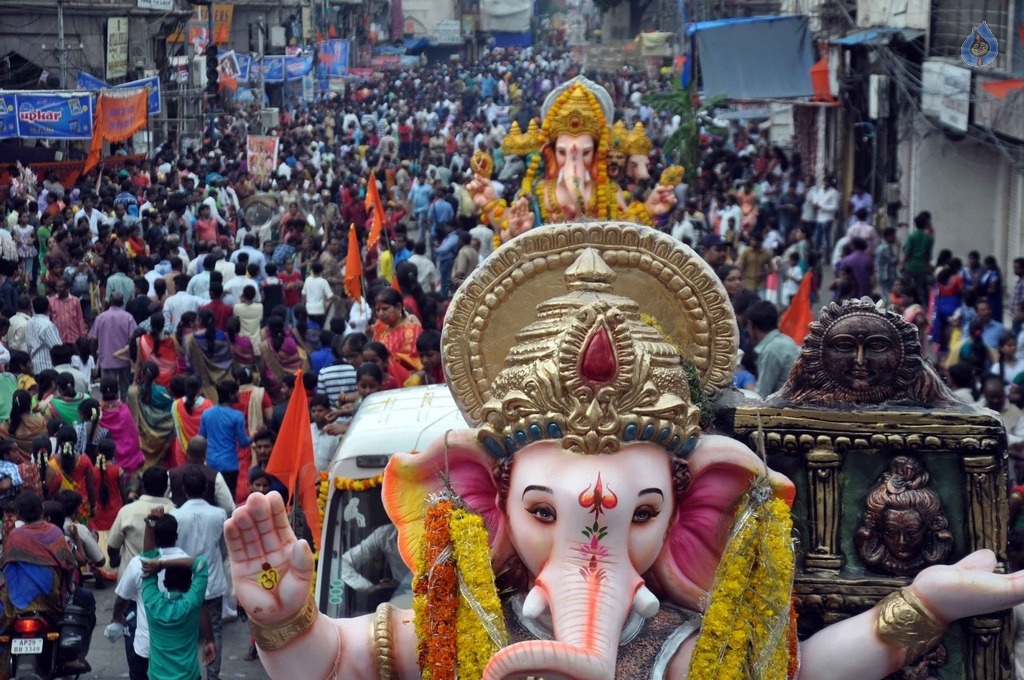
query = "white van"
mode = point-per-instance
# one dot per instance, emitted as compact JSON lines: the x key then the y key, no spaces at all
{"x":395,"y":421}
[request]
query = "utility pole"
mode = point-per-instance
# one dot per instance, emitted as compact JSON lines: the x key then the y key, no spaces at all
{"x":259,"y":75}
{"x":210,"y":41}
{"x":62,"y":48}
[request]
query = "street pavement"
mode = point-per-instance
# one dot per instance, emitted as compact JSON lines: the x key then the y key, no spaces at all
{"x":108,"y":661}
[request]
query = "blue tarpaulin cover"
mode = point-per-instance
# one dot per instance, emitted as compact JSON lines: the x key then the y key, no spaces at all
{"x":755,"y":58}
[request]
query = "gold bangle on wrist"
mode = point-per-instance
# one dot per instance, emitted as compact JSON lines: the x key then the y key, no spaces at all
{"x":383,"y":642}
{"x":904,"y":621}
{"x":270,"y":638}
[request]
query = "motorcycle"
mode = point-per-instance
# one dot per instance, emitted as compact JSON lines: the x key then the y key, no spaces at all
{"x":43,"y":643}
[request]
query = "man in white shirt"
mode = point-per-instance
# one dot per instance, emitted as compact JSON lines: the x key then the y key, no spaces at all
{"x":179,"y":303}
{"x":128,"y":609}
{"x":826,"y":201}
{"x":15,"y":340}
{"x":200,"y":532}
{"x":317,"y":295}
{"x":256,"y":256}
{"x":429,"y":277}
{"x":95,"y":217}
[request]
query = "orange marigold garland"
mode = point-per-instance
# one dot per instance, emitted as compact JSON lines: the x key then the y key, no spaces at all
{"x":436,"y":596}
{"x":343,"y":484}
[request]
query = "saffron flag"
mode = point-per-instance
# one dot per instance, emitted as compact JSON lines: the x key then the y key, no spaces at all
{"x":119,"y":115}
{"x":291,"y":461}
{"x":353,"y":266}
{"x":373,"y":203}
{"x":795,"y":321}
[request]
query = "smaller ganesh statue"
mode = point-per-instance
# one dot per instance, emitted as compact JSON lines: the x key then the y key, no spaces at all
{"x":859,"y":353}
{"x":903,"y":529}
{"x":568,"y":176}
{"x":517,"y":148}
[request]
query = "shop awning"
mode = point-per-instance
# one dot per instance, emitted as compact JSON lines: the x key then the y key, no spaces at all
{"x":413,"y":45}
{"x":878,"y":36}
{"x":756,"y":58}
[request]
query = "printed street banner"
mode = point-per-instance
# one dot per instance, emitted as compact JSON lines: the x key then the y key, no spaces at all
{"x":261,"y":156}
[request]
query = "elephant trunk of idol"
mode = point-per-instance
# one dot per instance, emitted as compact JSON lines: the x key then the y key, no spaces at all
{"x":589,"y":599}
{"x":575,"y":177}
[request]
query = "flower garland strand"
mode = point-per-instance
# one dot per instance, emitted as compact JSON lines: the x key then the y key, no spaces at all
{"x":746,"y":631}
{"x":436,"y":596}
{"x":480,"y":622}
{"x":343,"y":484}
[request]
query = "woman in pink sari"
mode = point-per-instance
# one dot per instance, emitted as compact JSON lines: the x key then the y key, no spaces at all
{"x":117,"y":419}
{"x":280,"y":353}
{"x":242,"y":352}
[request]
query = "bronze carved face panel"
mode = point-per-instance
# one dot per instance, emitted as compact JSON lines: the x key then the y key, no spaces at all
{"x":861,"y":352}
{"x":903,"y":529}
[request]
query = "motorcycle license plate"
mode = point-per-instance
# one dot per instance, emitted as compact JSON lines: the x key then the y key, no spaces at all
{"x":27,"y":646}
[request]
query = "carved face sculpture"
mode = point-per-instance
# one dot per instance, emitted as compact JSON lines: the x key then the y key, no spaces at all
{"x":616,"y":162}
{"x":861,"y":352}
{"x":639,"y":168}
{"x":903,"y":533}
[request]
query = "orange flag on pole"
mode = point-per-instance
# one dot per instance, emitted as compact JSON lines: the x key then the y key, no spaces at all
{"x":353,"y":266}
{"x":373,"y":203}
{"x":795,"y":321}
{"x":291,"y":461}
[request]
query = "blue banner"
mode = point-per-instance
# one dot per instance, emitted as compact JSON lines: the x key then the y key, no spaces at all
{"x":92,"y":83}
{"x":273,"y":69}
{"x":298,"y":67}
{"x":54,"y":116}
{"x":88,"y":82}
{"x":334,"y":58}
{"x":8,"y":115}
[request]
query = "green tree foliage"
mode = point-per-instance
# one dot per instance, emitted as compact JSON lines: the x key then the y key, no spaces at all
{"x":683,"y":146}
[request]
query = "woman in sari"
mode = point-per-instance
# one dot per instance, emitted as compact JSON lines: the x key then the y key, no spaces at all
{"x":280,"y":353}
{"x":158,"y":348}
{"x":186,"y":326}
{"x":110,"y":496}
{"x":89,"y":431}
{"x":209,"y":354}
{"x":395,"y":330}
{"x":256,"y":407}
{"x":66,"y":400}
{"x":150,"y":404}
{"x":242,"y":352}
{"x":46,"y":386}
{"x":306,"y":331}
{"x":24,"y":425}
{"x":75,"y":472}
{"x":117,"y":418}
{"x":189,"y":405}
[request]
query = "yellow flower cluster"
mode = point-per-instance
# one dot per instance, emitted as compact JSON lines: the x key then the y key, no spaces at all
{"x":342,"y":484}
{"x":745,"y":631}
{"x":475,"y":646}
{"x":638,"y":213}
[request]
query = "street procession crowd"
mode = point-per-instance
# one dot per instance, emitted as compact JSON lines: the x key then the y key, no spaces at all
{"x":150,"y":337}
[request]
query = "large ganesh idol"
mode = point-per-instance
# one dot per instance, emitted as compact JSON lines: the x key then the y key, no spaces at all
{"x":588,"y":527}
{"x":568,"y":174}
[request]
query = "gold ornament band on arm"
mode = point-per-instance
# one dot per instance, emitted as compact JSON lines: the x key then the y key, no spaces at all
{"x":905,"y":622}
{"x":383,"y":644}
{"x":271,"y":638}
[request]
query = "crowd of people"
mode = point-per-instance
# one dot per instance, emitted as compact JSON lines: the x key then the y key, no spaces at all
{"x":150,"y":337}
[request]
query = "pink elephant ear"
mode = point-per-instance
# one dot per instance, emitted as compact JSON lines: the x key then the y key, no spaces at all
{"x":721,"y":471}
{"x":411,"y":478}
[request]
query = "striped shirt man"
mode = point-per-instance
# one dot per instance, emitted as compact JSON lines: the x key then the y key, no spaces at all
{"x":41,"y":336}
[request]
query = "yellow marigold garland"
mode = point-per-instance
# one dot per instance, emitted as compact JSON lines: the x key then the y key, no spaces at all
{"x":343,"y":484}
{"x":746,"y":631}
{"x":479,"y":597}
{"x":436,"y":596}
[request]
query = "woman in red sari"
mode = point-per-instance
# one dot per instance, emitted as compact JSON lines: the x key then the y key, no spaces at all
{"x":110,"y":495}
{"x":395,"y":330}
{"x":155,"y":346}
{"x":256,"y":407}
{"x":188,"y":408}
{"x":74,"y":472}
